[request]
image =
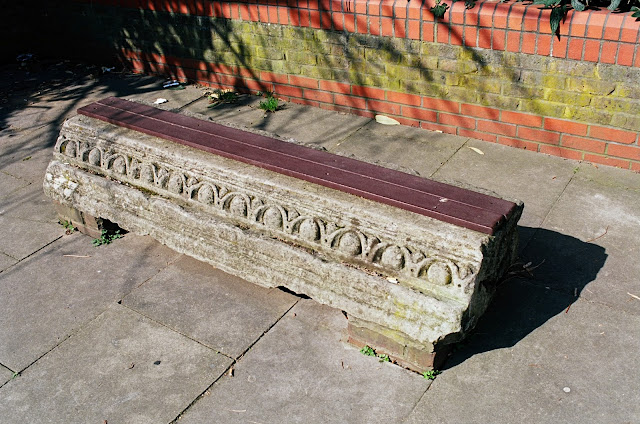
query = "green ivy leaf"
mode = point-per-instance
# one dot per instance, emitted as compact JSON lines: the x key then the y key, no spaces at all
{"x":578,"y":5}
{"x":439,"y":9}
{"x":636,"y":12}
{"x":557,"y":15}
{"x":469,"y":4}
{"x":547,"y":3}
{"x":614,"y":5}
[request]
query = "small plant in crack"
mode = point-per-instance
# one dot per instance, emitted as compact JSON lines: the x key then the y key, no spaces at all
{"x":384,"y":358}
{"x":106,"y":237}
{"x":68,"y":226}
{"x":219,"y":96}
{"x":431,"y":374}
{"x":270,"y":104}
{"x":368,"y":351}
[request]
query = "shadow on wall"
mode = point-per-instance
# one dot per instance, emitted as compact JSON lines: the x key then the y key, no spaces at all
{"x":565,"y":265}
{"x":213,"y":48}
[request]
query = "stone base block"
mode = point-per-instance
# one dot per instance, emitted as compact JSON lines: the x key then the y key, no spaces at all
{"x":82,"y":221}
{"x":400,"y":348}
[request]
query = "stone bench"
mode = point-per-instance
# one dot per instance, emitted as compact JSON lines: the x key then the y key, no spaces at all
{"x":411,"y":261}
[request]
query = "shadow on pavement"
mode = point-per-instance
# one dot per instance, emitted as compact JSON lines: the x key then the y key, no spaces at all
{"x":563,"y":266}
{"x":34,"y":102}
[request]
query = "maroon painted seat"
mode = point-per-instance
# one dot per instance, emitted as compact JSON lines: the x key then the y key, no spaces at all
{"x":444,"y":202}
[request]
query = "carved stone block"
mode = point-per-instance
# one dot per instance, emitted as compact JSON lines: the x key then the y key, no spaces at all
{"x":425,"y":280}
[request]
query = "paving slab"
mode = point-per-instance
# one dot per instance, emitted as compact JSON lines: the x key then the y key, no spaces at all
{"x":532,"y":362}
{"x":26,"y":146}
{"x":49,"y":296}
{"x":32,"y":115}
{"x":20,"y":238}
{"x":9,"y":184}
{"x":25,"y":154}
{"x":537,"y":180}
{"x":5,"y":375}
{"x":120,"y":368}
{"x":30,"y":204}
{"x":300,"y":372}
{"x":412,"y":149}
{"x":6,"y":261}
{"x":605,"y":218}
{"x":608,"y":176}
{"x":176,"y":99}
{"x":217,"y":309}
{"x":307,"y":125}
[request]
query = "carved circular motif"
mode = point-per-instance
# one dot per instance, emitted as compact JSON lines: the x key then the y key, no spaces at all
{"x":350,"y":244}
{"x":272,"y":218}
{"x":119,"y":165}
{"x":94,"y":157}
{"x":205,"y":194}
{"x":439,"y":273}
{"x":238,"y":206}
{"x":309,"y":230}
{"x":70,"y":149}
{"x":392,"y":257}
{"x":147,"y":174}
{"x":175,"y":184}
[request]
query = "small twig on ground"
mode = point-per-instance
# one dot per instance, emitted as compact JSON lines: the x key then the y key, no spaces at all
{"x":518,"y":270}
{"x":76,"y":256}
{"x":634,"y":296}
{"x":601,"y":235}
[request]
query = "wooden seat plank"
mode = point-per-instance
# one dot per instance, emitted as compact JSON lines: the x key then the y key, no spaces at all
{"x":455,"y":205}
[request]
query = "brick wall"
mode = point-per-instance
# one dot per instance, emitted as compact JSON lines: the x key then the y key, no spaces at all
{"x":493,"y":72}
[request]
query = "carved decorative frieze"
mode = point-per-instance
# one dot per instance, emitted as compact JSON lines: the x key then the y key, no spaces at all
{"x":410,"y":264}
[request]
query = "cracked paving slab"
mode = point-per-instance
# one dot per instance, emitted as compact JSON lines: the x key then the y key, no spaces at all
{"x":6,"y":261}
{"x":606,"y":222}
{"x":300,"y":372}
{"x":217,"y":309}
{"x":412,"y":149}
{"x":50,"y":295}
{"x":533,"y":360}
{"x":5,"y":375}
{"x":121,"y":367}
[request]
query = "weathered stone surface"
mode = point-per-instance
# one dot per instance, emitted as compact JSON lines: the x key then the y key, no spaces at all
{"x":421,"y":277}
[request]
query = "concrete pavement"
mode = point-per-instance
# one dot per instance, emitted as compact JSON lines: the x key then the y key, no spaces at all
{"x":132,"y":332}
